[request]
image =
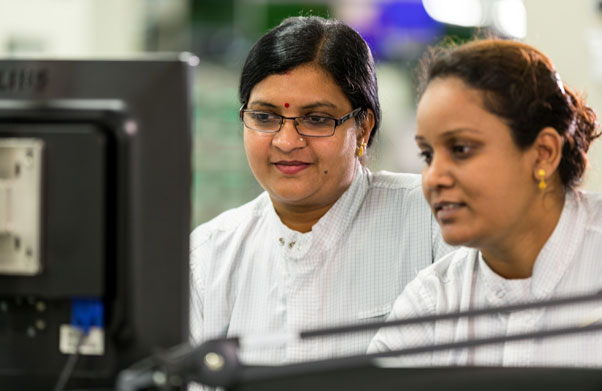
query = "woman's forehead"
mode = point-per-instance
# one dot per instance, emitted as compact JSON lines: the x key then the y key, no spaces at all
{"x":303,"y":86}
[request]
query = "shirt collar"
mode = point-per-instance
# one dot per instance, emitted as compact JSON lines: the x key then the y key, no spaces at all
{"x":335,"y":223}
{"x":560,"y":249}
{"x":500,"y":290}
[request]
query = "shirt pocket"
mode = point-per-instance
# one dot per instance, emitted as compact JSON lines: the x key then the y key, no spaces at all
{"x":375,"y":313}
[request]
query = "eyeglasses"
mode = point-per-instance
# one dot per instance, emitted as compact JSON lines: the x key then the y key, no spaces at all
{"x":309,"y":125}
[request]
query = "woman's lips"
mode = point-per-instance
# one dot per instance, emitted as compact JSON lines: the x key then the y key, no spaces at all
{"x":447,"y":210}
{"x":291,"y":167}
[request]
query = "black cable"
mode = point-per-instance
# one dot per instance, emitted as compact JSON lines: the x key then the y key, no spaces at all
{"x":307,"y":367}
{"x":67,"y":370}
{"x":337,"y":330}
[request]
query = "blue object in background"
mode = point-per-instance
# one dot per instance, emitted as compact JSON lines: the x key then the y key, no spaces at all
{"x":400,"y":30}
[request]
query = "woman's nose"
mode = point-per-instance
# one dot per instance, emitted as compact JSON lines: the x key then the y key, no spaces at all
{"x":437,"y":174}
{"x":288,"y":139}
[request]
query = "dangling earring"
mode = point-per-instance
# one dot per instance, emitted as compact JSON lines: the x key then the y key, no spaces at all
{"x":542,"y":175}
{"x":361,"y":149}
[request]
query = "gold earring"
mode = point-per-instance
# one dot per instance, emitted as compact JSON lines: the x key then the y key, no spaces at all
{"x":361,"y":149}
{"x":542,"y":175}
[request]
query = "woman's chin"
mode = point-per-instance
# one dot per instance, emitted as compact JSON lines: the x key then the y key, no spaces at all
{"x":456,"y":238}
{"x":292,"y":199}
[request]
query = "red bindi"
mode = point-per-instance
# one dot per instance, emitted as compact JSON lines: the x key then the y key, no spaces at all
{"x":286,"y":105}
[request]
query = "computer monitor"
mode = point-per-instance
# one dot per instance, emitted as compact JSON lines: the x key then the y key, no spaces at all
{"x":95,"y":171}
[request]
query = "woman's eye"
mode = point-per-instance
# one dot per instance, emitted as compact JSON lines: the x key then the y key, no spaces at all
{"x":427,"y":156}
{"x":316,"y":119}
{"x":461,"y":150}
{"x":263,"y":117}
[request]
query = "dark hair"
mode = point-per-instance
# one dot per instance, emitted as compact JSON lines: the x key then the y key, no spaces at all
{"x":521,"y":86}
{"x":330,"y":44}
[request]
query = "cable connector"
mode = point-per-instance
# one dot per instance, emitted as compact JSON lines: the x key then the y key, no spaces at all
{"x":87,"y":313}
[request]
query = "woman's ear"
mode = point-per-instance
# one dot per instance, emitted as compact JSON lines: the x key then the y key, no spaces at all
{"x":548,"y":151}
{"x":366,"y":127}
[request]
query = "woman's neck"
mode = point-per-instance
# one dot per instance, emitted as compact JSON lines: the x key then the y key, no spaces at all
{"x":301,"y":218}
{"x":514,"y":256}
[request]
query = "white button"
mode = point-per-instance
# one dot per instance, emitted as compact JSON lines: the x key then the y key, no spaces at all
{"x":291,"y":244}
{"x":281,"y":241}
{"x":500,"y":293}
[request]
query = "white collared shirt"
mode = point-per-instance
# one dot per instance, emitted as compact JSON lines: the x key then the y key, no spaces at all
{"x":253,"y":276}
{"x":570,"y":263}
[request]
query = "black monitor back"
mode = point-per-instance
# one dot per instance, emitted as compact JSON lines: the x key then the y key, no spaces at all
{"x":114,"y":213}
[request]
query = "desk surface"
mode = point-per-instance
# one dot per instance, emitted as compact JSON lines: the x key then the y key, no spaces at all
{"x":458,"y":378}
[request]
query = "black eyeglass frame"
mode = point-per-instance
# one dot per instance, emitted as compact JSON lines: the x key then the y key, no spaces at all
{"x":337,"y":121}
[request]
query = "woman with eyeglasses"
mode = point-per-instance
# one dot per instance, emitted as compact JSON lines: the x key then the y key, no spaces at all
{"x":505,"y":143}
{"x":328,"y":242}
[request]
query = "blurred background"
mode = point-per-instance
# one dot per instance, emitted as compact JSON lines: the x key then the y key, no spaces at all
{"x":220,"y":33}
